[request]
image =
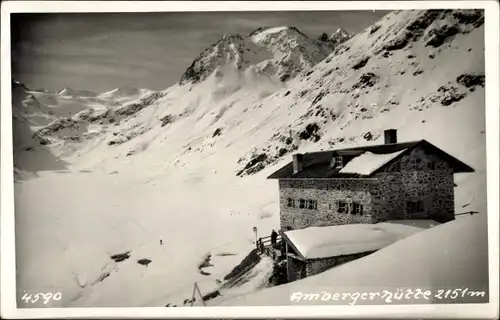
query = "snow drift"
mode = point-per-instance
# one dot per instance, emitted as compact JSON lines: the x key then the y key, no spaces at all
{"x":450,"y":256}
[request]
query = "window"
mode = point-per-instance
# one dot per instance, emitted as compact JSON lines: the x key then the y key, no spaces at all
{"x":419,"y":164}
{"x":302,"y":203}
{"x":431,"y":165}
{"x":396,"y":167}
{"x":412,"y":164}
{"x":342,"y":207}
{"x":312,"y":204}
{"x":414,"y":206}
{"x":357,"y":208}
{"x":339,"y":163}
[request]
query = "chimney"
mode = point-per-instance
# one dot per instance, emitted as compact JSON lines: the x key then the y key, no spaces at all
{"x":390,"y":136}
{"x":297,"y":163}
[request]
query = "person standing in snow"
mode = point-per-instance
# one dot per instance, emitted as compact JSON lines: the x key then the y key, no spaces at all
{"x":274,"y":238}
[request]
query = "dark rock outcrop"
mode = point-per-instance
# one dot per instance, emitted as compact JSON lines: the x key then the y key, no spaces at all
{"x":361,"y":63}
{"x":471,"y":80}
{"x":366,"y":80}
{"x":474,"y":17}
{"x":144,"y":262}
{"x":310,"y":133}
{"x":414,"y":30}
{"x":166,"y":120}
{"x":439,"y":36}
{"x":121,"y":256}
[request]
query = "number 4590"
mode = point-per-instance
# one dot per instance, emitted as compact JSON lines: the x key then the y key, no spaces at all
{"x":45,"y":297}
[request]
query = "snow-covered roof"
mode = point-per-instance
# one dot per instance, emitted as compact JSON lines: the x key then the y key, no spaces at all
{"x":331,"y":241}
{"x":368,"y":162}
{"x":364,"y":159}
{"x":419,"y":223}
{"x":451,"y":255}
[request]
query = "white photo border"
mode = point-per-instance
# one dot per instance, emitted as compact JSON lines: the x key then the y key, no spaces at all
{"x":458,"y":311}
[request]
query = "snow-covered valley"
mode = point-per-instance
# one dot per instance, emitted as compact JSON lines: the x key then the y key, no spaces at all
{"x":178,"y":177}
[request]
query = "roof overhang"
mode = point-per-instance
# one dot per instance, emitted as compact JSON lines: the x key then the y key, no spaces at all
{"x":290,"y":243}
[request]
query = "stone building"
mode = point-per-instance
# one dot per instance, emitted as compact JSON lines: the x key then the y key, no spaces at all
{"x":299,"y":267}
{"x":313,"y":250}
{"x":371,"y":184}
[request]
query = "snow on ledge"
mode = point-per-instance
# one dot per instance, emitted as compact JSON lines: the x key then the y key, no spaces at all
{"x":331,"y":241}
{"x":368,"y":162}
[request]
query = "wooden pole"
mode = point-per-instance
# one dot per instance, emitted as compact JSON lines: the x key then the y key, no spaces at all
{"x":199,"y":292}
{"x":192,"y":296}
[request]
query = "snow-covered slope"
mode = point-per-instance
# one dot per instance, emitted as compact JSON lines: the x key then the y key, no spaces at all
{"x":43,"y":118}
{"x":70,"y":92}
{"x":187,"y":165}
{"x":124,"y":94}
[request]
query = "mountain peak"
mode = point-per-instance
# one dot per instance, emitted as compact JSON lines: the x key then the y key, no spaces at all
{"x":340,"y":36}
{"x":121,"y":92}
{"x":262,"y":34}
{"x":341,"y":32}
{"x":258,"y":30}
{"x":66,"y":92}
{"x":281,"y":51}
{"x":229,"y":37}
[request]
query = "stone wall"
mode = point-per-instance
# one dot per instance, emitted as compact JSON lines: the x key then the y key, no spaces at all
{"x":315,"y":266}
{"x":326,"y":193}
{"x":383,"y":198}
{"x":415,"y":181}
{"x":296,"y":269}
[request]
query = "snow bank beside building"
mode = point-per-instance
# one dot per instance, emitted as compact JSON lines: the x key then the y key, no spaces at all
{"x":451,"y":256}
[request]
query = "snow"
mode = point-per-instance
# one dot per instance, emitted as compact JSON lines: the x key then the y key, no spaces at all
{"x":420,"y":223}
{"x":332,"y":241}
{"x":272,"y":52}
{"x":125,"y":94}
{"x":261,"y":35}
{"x":119,"y":225}
{"x":452,"y":255}
{"x":257,"y":279}
{"x":368,"y":162}
{"x":181,"y":185}
{"x":340,"y":35}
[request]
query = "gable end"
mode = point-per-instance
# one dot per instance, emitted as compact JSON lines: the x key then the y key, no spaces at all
{"x":457,"y":165}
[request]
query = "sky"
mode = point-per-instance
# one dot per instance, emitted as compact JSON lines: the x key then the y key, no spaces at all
{"x":103,"y":51}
